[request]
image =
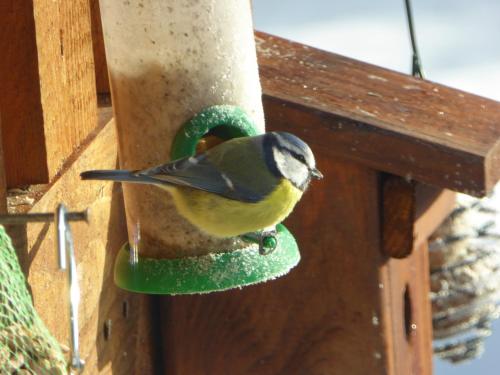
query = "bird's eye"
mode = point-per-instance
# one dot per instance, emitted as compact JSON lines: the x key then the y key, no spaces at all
{"x":301,"y":158}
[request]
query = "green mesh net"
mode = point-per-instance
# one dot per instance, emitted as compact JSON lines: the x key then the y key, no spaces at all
{"x":26,"y":346}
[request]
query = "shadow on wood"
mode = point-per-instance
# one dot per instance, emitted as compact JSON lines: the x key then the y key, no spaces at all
{"x":128,"y":342}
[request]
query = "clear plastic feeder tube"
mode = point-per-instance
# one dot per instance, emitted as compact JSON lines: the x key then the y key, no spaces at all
{"x":167,"y":60}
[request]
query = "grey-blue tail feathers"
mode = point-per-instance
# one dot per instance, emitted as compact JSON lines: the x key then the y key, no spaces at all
{"x":118,"y":175}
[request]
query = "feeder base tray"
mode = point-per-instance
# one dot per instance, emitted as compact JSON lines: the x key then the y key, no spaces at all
{"x":208,"y":273}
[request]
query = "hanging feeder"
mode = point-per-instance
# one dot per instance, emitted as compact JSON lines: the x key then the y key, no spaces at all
{"x":221,"y":270}
{"x":192,"y":74}
{"x":465,"y":277}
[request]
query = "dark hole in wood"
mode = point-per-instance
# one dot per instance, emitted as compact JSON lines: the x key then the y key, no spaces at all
{"x":408,"y":313}
{"x":125,"y":309}
{"x":107,"y":329}
{"x":61,"y":41}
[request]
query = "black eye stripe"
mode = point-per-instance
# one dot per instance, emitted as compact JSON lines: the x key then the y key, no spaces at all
{"x":280,"y":144}
{"x":297,"y":156}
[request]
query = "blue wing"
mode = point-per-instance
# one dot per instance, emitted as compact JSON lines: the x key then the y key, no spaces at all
{"x":244,"y":178}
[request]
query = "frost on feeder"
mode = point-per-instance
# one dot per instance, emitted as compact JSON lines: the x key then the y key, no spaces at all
{"x":272,"y":257}
{"x":193,"y":63}
{"x":465,"y":277}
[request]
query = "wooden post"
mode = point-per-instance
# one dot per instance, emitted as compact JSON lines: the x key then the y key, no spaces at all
{"x":48,"y":99}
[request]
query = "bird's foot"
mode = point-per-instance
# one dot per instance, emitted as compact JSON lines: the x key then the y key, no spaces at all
{"x":266,"y":239}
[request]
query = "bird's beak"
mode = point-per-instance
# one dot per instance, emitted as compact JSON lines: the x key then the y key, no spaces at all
{"x":316,"y":174}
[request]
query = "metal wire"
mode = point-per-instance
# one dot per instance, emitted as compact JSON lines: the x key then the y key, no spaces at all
{"x":416,"y":69}
{"x":66,"y":250}
{"x":41,"y":217}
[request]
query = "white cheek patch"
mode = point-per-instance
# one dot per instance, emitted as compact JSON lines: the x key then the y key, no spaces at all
{"x":300,"y":173}
{"x":279,"y":158}
{"x":291,"y":168}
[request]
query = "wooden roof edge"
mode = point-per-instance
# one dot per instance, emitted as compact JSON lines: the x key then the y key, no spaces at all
{"x":393,"y":122}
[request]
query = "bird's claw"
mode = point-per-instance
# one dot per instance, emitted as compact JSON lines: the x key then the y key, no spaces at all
{"x":266,"y":239}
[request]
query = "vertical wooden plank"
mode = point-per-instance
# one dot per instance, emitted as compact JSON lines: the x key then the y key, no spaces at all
{"x":67,"y":79}
{"x":410,"y":313}
{"x":48,"y":98}
{"x":407,"y":278}
{"x":20,"y":105}
{"x":326,"y":317}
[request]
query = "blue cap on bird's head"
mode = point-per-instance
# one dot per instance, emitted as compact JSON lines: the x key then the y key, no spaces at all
{"x":290,"y":157}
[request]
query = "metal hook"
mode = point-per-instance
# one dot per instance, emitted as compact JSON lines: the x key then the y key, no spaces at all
{"x":66,"y":250}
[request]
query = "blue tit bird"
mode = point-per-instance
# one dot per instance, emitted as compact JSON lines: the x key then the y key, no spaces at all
{"x":240,"y":186}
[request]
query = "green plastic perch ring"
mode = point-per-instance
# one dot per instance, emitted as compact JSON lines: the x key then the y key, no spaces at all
{"x":225,"y":121}
{"x":208,"y":273}
{"x":217,"y":271}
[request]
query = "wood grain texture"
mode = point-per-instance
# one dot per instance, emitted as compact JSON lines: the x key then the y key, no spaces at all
{"x":48,"y":69}
{"x":398,"y":216}
{"x":129,"y":346}
{"x":22,"y":129}
{"x":386,"y":120}
{"x":67,"y":80}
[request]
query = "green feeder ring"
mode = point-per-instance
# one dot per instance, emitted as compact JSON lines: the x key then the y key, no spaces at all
{"x":225,"y":121}
{"x":221,"y":270}
{"x":207,"y":273}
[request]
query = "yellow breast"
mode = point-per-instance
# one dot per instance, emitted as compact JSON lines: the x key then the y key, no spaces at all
{"x":222,"y":217}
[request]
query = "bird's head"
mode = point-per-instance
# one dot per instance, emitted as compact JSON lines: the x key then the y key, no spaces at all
{"x":290,"y":157}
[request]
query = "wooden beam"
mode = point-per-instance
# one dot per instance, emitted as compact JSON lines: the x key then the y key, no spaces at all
{"x":22,"y":130}
{"x":48,"y":99}
{"x":398,"y":216}
{"x":127,"y":345}
{"x":386,"y":120}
